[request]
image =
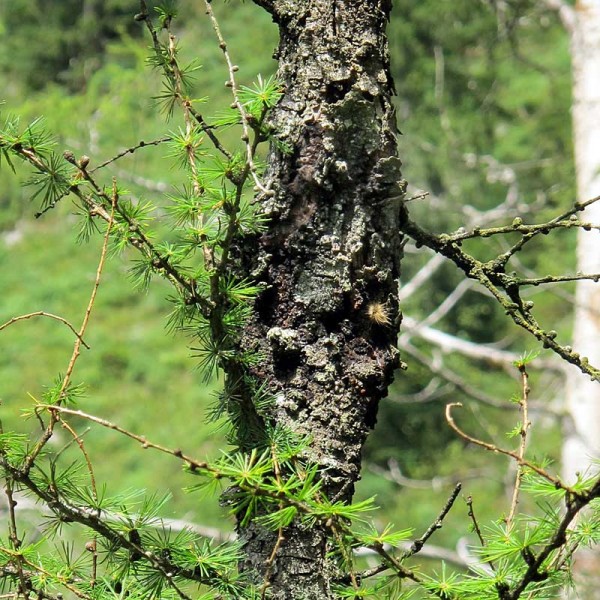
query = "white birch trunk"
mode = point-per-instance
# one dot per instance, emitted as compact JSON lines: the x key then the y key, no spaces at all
{"x":582,"y":441}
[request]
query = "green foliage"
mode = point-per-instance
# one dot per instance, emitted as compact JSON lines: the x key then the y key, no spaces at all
{"x":76,"y":34}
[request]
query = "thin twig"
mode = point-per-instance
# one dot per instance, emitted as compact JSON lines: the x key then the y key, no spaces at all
{"x":77,"y":345}
{"x":144,"y":15}
{"x":193,"y":464}
{"x":131,"y":150}
{"x":79,"y":441}
{"x":504,"y":288}
{"x":41,"y":313}
{"x":280,"y":537}
{"x":415,"y":547}
{"x":207,"y":251}
{"x":595,"y":277}
{"x":476,"y":528}
{"x":525,"y":424}
{"x":437,"y":524}
{"x":139,"y":239}
{"x":14,"y":537}
{"x":493,"y":448}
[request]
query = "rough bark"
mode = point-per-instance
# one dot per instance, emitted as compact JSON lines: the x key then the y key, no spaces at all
{"x":328,"y":319}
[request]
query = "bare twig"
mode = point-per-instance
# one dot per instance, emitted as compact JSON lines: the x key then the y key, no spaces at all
{"x":396,"y":562}
{"x":525,"y":424}
{"x":131,"y":150}
{"x":77,"y":346}
{"x":437,"y":524}
{"x":504,"y":288}
{"x":41,"y":313}
{"x":79,"y":441}
{"x":476,"y":528}
{"x":13,"y":537}
{"x":192,"y":463}
{"x":493,"y":448}
{"x":280,"y":537}
{"x":595,"y":277}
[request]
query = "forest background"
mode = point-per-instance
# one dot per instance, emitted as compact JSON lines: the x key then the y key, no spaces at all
{"x":484,"y":98}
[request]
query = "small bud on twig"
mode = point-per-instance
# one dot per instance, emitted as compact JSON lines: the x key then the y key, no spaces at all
{"x":69,"y":156}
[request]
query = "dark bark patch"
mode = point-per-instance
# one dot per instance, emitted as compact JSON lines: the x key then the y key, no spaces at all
{"x":335,"y":91}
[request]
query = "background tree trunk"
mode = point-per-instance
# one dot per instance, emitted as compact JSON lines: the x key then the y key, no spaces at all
{"x":328,"y":319}
{"x":582,"y":439}
{"x":583,"y":395}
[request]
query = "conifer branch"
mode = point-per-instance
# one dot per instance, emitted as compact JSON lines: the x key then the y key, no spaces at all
{"x":37,"y":569}
{"x":505,"y":288}
{"x":137,"y":238}
{"x":69,"y":512}
{"x":144,"y":16}
{"x":231,"y":83}
{"x":536,"y":571}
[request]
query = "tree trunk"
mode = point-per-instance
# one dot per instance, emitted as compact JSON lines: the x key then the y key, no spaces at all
{"x":582,"y":440}
{"x":327,"y":322}
{"x":583,"y":395}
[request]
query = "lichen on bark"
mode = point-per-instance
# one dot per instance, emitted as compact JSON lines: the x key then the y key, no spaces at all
{"x":331,"y":250}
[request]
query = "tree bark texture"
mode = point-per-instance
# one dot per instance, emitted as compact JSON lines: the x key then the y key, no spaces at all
{"x":327,"y":321}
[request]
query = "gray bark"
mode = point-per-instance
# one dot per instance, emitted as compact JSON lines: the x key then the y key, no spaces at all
{"x":328,"y":319}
